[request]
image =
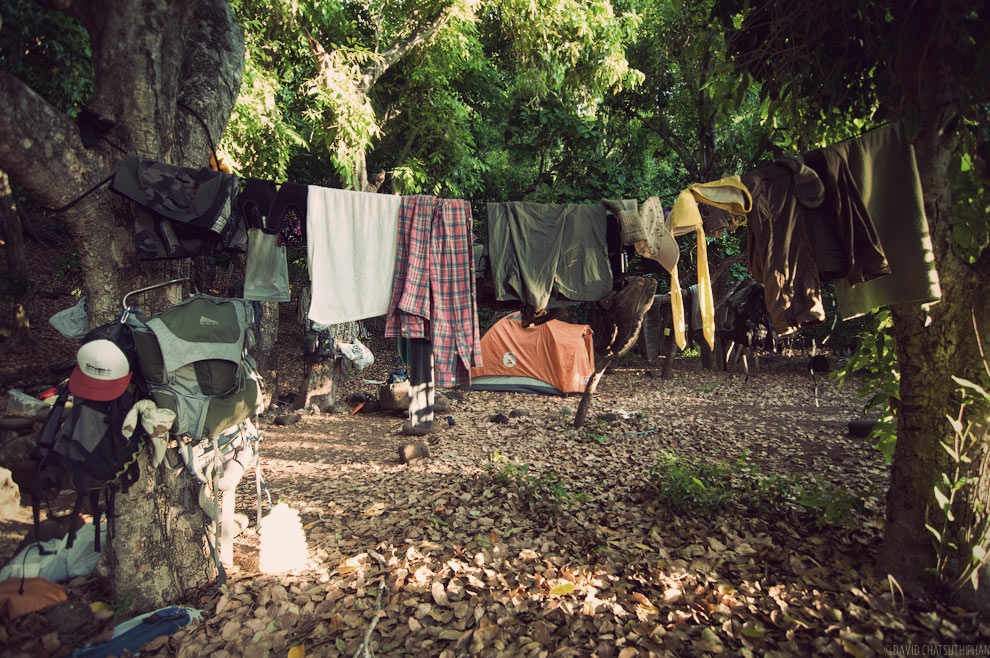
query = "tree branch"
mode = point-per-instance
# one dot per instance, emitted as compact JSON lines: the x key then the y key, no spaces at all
{"x":663,"y":132}
{"x":209,"y":81}
{"x":424,"y":32}
{"x":43,"y":153}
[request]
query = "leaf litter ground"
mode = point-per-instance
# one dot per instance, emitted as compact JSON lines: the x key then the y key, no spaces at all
{"x":439,"y":557}
{"x":451,"y":562}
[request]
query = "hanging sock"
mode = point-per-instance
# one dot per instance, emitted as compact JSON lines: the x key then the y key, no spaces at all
{"x":729,"y":194}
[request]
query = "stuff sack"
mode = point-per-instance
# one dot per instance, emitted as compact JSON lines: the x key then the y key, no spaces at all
{"x":193,"y":357}
{"x":81,"y":446}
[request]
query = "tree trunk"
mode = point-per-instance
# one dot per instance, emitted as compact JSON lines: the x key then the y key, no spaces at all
{"x":321,"y":377}
{"x":10,"y":229}
{"x":582,"y":411}
{"x":930,"y":349}
{"x":21,"y":337}
{"x":267,"y":337}
{"x":17,"y":267}
{"x":152,"y":63}
{"x":151,"y":564}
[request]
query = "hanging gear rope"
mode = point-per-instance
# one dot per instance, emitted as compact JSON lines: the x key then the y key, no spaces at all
{"x":83,"y":195}
{"x":103,"y":182}
{"x":209,"y":139}
{"x":206,"y":129}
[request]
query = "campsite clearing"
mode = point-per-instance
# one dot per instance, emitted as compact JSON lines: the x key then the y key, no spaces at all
{"x":530,"y":537}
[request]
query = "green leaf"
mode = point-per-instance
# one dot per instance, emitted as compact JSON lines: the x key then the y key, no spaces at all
{"x":941,"y":498}
{"x":965,"y":383}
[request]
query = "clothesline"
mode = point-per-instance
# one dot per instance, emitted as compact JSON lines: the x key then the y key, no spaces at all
{"x":817,"y":219}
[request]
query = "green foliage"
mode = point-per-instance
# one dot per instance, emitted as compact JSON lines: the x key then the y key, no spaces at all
{"x":875,"y":359}
{"x":962,"y":542}
{"x":49,"y":51}
{"x":261,"y":138}
{"x":547,"y":487}
{"x":969,"y":174}
{"x":600,"y":439}
{"x":67,"y":265}
{"x":570,"y":47}
{"x":690,"y":484}
{"x":709,"y":387}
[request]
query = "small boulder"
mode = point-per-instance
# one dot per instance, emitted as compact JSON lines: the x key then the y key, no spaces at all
{"x":358,"y":397}
{"x":370,"y":407}
{"x":287,"y":419}
{"x":441,"y":405}
{"x":500,"y":418}
{"x":68,"y":617}
{"x":861,"y":427}
{"x":394,"y":397}
{"x":10,"y":495}
{"x":410,"y":451}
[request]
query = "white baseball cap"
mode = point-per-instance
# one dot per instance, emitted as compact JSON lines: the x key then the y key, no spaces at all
{"x":102,"y":371}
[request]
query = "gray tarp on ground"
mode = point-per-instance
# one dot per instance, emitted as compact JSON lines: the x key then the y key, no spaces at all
{"x":883,"y":166}
{"x":541,"y":252}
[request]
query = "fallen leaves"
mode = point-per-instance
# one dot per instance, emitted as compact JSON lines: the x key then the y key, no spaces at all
{"x":474,"y":567}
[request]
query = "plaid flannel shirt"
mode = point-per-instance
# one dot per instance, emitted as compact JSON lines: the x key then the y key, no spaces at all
{"x":433,"y":293}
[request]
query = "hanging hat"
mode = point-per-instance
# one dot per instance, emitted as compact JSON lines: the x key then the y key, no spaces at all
{"x":102,"y":371}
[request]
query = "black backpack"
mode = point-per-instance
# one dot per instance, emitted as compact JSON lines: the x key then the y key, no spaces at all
{"x":83,"y":449}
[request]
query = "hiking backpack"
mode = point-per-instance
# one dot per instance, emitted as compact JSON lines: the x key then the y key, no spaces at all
{"x":82,"y":447}
{"x":193,"y":357}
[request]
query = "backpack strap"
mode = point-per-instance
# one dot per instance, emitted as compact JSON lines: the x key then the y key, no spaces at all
{"x":94,"y":501}
{"x":54,"y":419}
{"x":36,"y":510}
{"x":76,"y":508}
{"x":46,"y":439}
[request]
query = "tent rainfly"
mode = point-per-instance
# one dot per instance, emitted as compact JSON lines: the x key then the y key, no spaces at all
{"x":553,"y":358}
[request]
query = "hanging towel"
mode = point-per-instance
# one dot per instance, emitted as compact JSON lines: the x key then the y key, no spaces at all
{"x":540,"y":253}
{"x":351,"y":241}
{"x":884,"y":169}
{"x":728,"y":194}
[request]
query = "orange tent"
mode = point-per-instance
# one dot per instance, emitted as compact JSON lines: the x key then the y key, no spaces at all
{"x":556,"y":356}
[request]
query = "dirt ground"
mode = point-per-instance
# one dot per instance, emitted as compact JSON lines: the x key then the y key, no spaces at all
{"x":532,"y":538}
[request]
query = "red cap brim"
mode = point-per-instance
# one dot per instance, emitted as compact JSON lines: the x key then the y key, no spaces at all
{"x":100,"y":390}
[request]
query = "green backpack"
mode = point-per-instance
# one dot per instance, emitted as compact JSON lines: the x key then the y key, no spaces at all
{"x":194,"y":358}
